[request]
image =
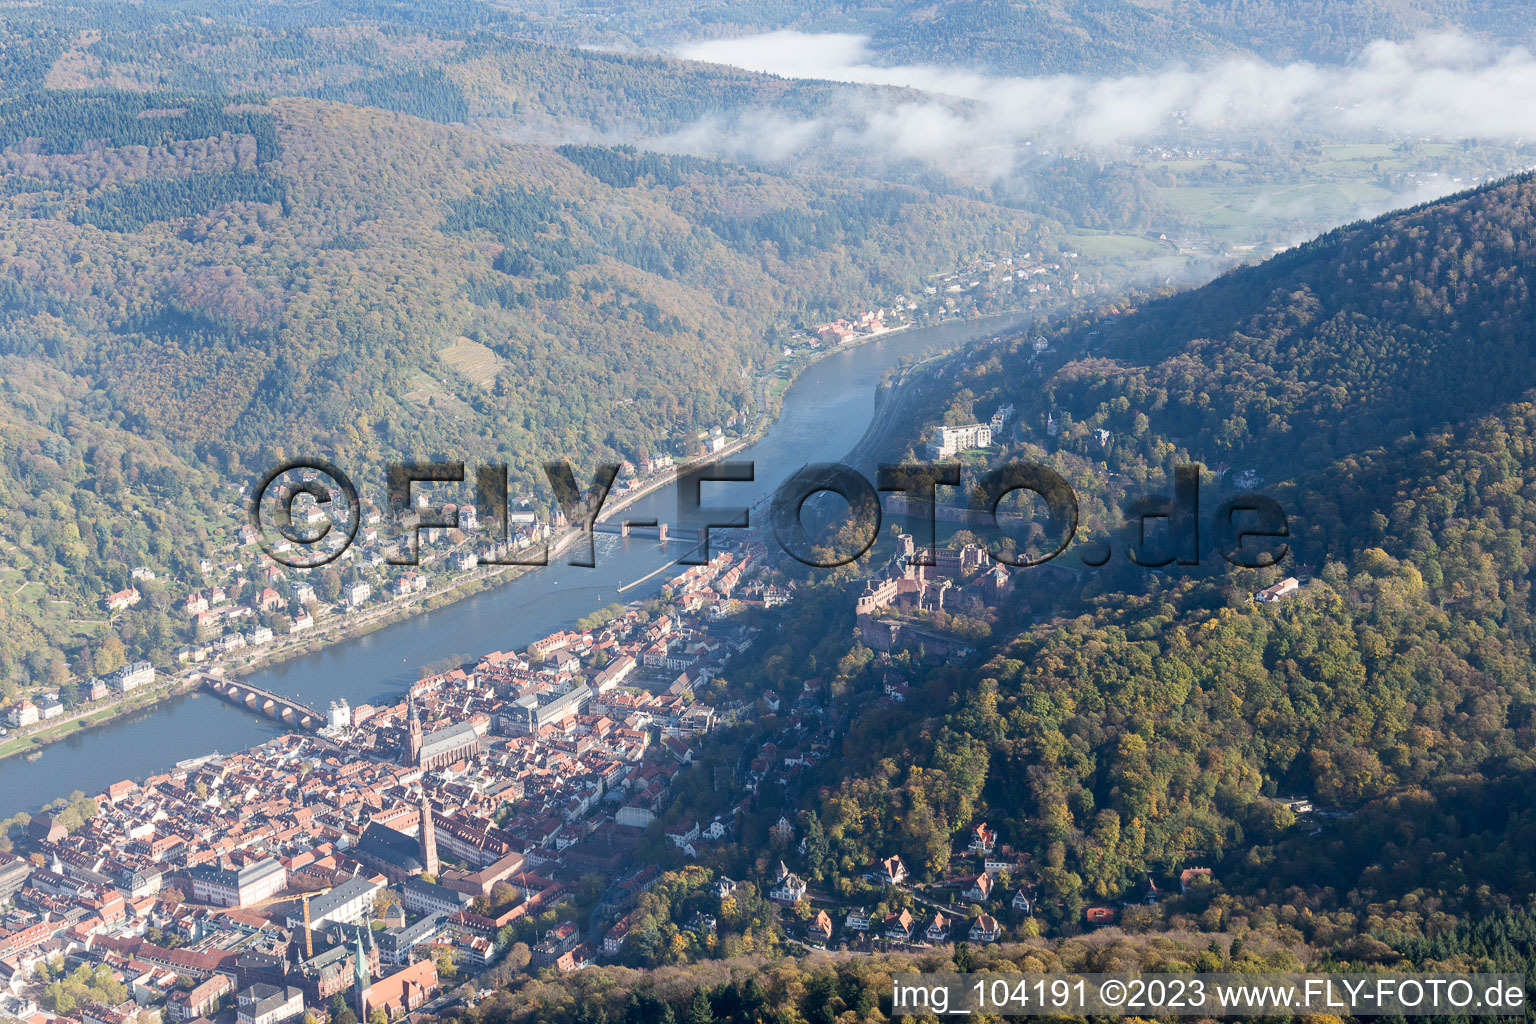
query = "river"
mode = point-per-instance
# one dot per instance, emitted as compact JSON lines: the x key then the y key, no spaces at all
{"x":825,"y":414}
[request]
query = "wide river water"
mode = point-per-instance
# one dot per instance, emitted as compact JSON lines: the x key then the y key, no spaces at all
{"x":824,"y":415}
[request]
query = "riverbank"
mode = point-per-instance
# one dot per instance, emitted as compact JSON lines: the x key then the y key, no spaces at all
{"x":18,"y":744}
{"x":338,"y":627}
{"x":367,"y":655}
{"x":343,"y":627}
{"x":480,"y":580}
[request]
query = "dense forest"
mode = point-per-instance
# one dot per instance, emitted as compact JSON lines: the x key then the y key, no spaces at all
{"x":452,"y":63}
{"x":819,"y":989}
{"x":1056,"y":36}
{"x":196,"y":286}
{"x":1365,"y":335}
{"x":1118,"y":726}
{"x":1009,"y":36}
{"x":1376,"y":379}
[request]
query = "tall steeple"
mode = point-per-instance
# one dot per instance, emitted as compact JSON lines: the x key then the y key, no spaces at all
{"x":428,"y":838}
{"x":413,"y":743}
{"x":360,"y":975}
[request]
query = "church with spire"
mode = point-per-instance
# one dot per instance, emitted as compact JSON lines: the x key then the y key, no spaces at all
{"x":398,"y":855}
{"x":360,"y":975}
{"x":440,"y":747}
{"x":339,"y":963}
{"x":413,"y":728}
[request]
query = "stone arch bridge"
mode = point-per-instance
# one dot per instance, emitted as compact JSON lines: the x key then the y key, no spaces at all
{"x":264,"y":702}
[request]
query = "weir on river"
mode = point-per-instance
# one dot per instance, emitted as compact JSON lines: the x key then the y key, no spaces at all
{"x":824,"y":416}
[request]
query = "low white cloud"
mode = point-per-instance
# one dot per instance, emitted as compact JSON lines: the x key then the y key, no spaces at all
{"x":788,"y":54}
{"x":1443,"y":86}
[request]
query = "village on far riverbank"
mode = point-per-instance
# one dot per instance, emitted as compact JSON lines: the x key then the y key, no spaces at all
{"x":247,"y":612}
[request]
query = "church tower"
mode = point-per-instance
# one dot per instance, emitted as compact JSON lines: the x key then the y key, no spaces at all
{"x":428,"y":838}
{"x":413,"y":744}
{"x":360,"y":977}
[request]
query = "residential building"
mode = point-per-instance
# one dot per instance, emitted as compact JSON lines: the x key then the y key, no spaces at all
{"x":237,"y":887}
{"x":986,"y":929}
{"x":898,"y":927}
{"x":133,"y":676}
{"x":21,"y":714}
{"x":202,"y":1000}
{"x":351,"y":902}
{"x":122,"y":599}
{"x":269,"y":1004}
{"x":890,"y":871}
{"x":1099,"y":915}
{"x":947,"y":441}
{"x":1188,"y":876}
{"x":789,"y":890}
{"x":983,"y":839}
{"x":1279,"y":592}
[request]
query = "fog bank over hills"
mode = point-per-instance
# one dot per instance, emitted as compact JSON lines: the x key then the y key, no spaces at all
{"x":1442,"y":86}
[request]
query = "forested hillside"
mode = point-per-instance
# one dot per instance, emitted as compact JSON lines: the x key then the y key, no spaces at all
{"x":231,"y":234}
{"x":454,"y":63}
{"x":196,"y":286}
{"x":1370,"y":333}
{"x":1055,"y":36}
{"x":822,"y":989}
{"x":1118,"y":724}
{"x":1009,"y":36}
